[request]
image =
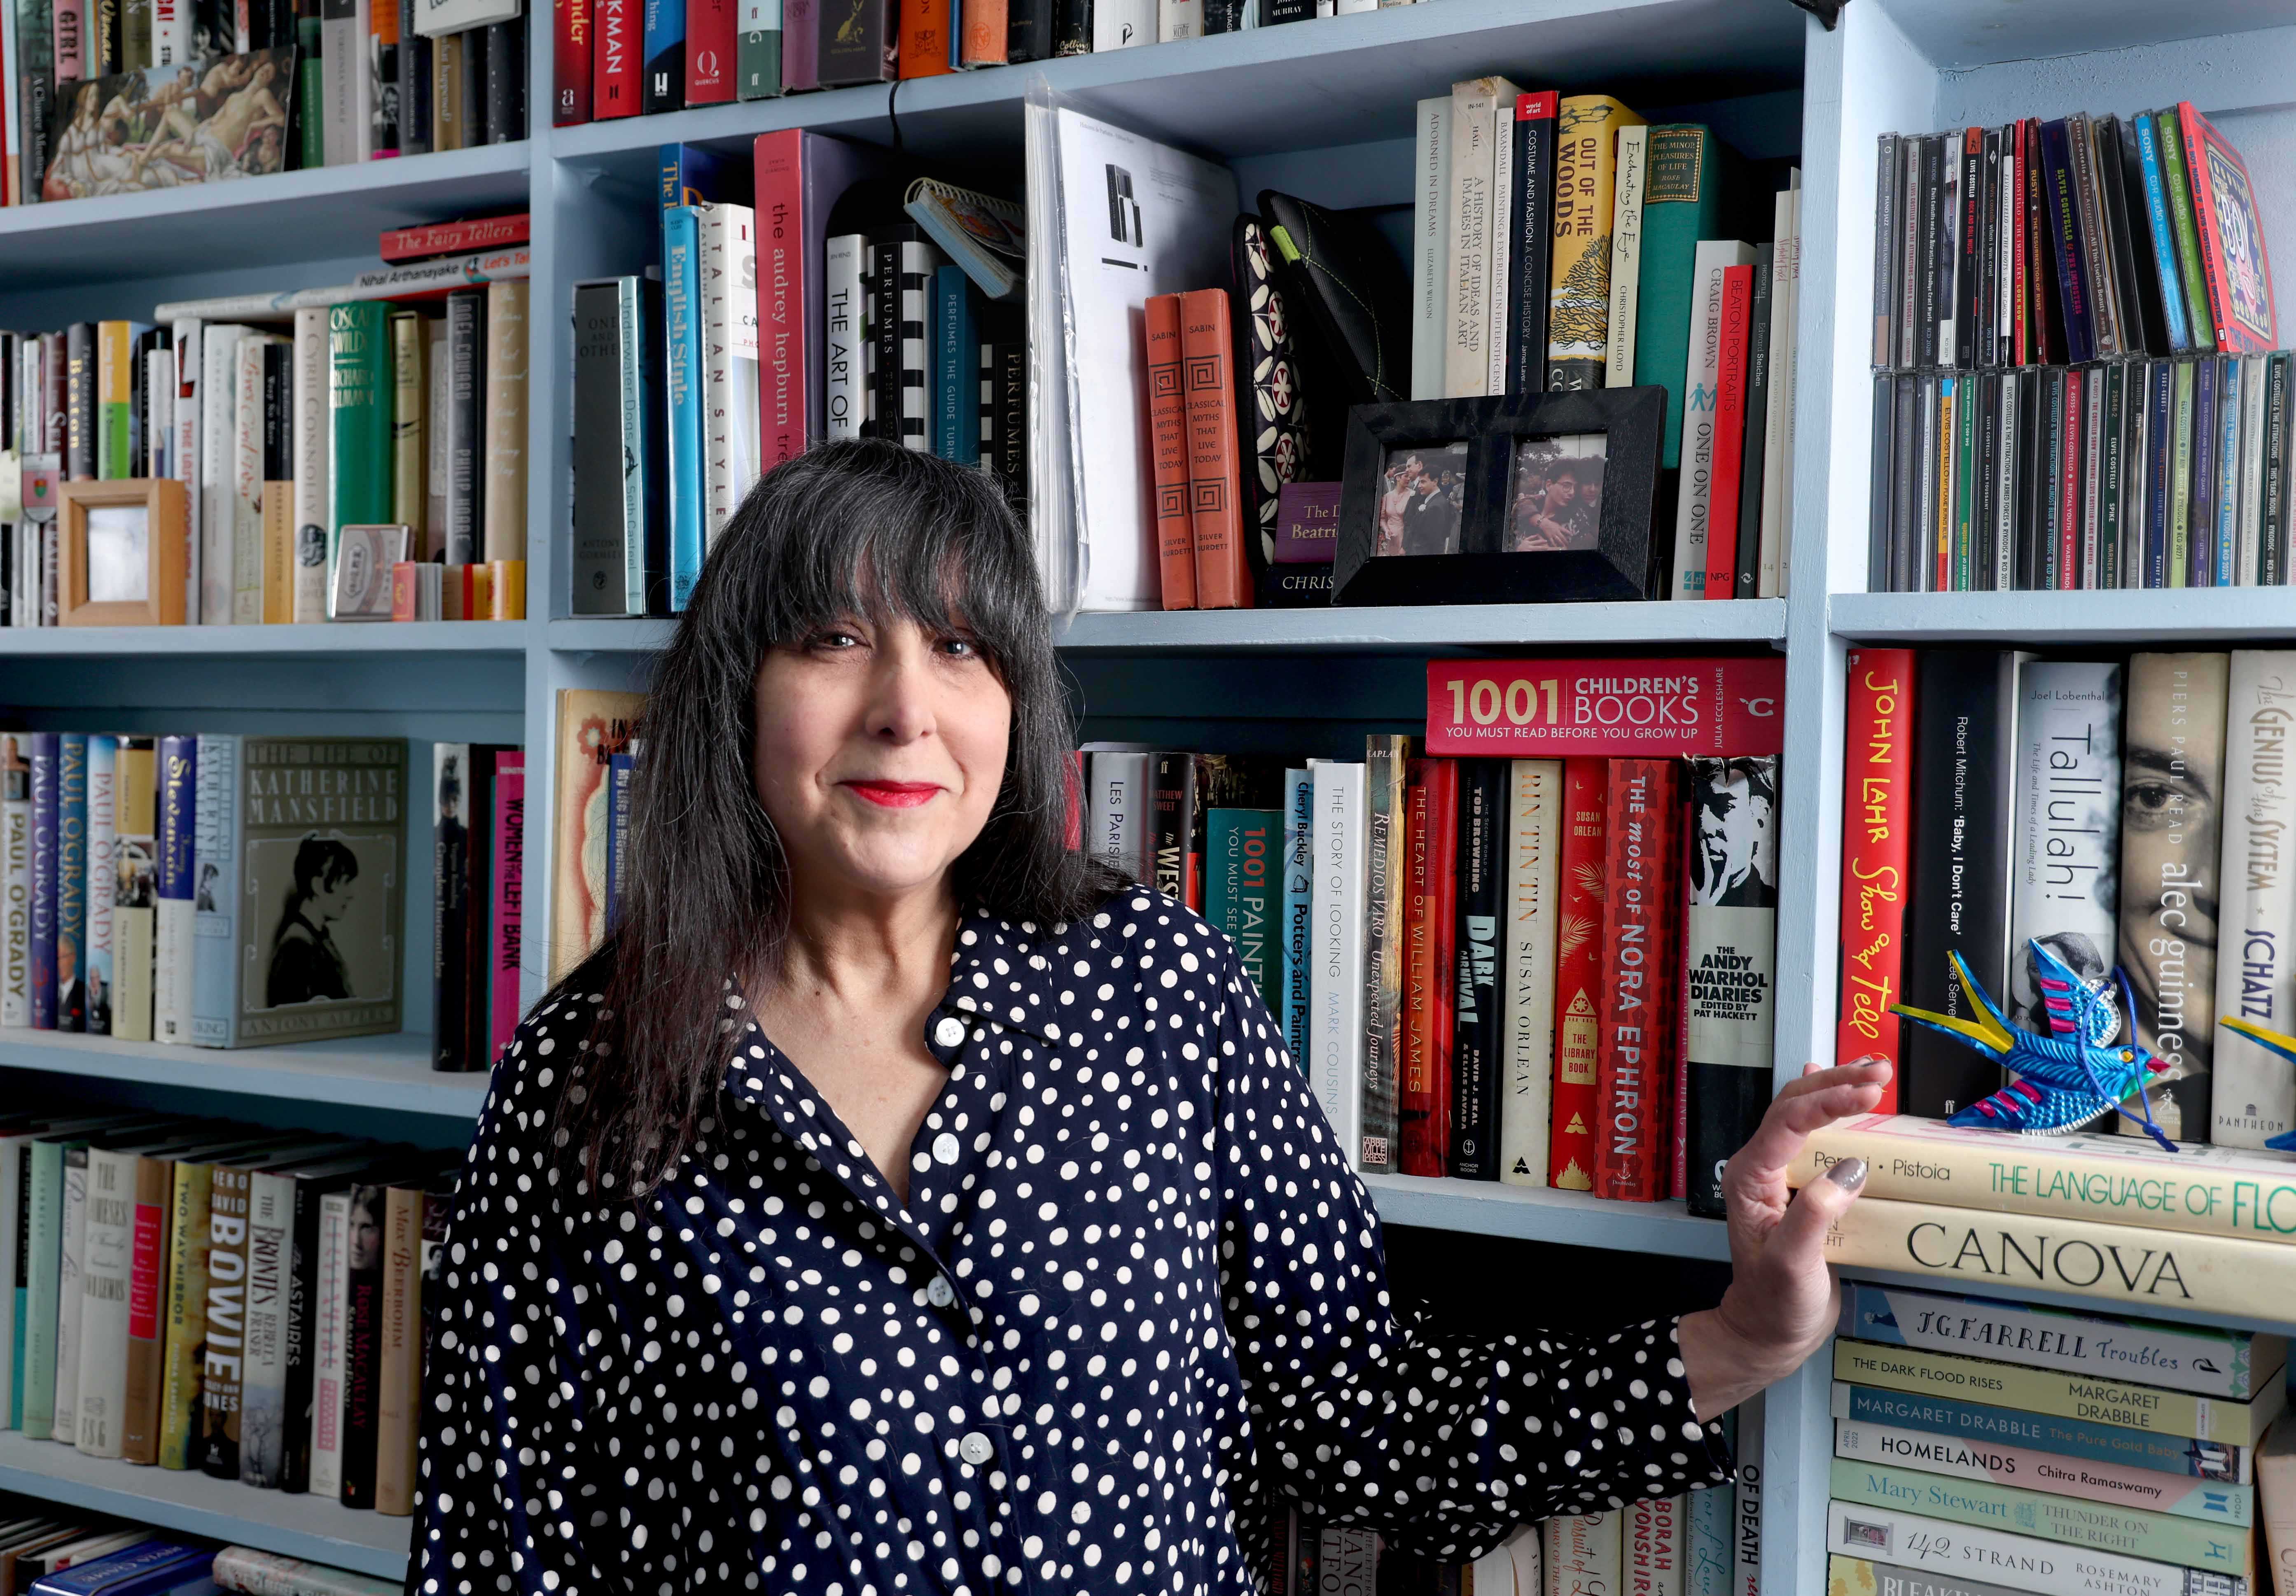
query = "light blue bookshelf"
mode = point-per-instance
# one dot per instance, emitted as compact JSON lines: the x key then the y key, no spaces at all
{"x":1321,"y":108}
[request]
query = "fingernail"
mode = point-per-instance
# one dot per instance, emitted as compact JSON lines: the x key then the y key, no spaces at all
{"x":1848,"y":1174}
{"x":1866,"y":1058}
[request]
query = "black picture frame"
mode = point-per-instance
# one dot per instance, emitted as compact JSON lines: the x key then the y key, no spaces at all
{"x":1628,"y":560}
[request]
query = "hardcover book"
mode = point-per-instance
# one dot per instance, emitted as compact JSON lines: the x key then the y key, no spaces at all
{"x":1335,"y":1046}
{"x":1528,"y":968}
{"x":1528,"y":708}
{"x":1477,"y":1036}
{"x":593,"y":726}
{"x":1959,"y":1552}
{"x":1579,"y":947}
{"x":1578,"y":301}
{"x":1430,"y":837}
{"x":1640,"y":931}
{"x":1876,"y":856}
{"x":1690,"y":171}
{"x":2142,"y":1490}
{"x":2253,"y":1094}
{"x":1729,"y":966}
{"x":2066,"y":828}
{"x":1387,"y":885}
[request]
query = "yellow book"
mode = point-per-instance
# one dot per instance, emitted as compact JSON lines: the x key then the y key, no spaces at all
{"x":278,"y":554}
{"x":180,"y":1385}
{"x":504,"y":533}
{"x":410,"y":388}
{"x":1579,"y":302}
{"x":507,"y":581}
{"x":2060,"y":1393}
{"x":115,"y":400}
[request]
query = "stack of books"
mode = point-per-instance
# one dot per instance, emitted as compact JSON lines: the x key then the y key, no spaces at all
{"x":1983,"y":1447}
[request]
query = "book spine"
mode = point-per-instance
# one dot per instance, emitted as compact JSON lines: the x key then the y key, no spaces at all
{"x":1722,"y":528}
{"x":71,"y":1260}
{"x":509,"y":898}
{"x":688,"y":499}
{"x":1223,"y":574}
{"x":1429,"y":930}
{"x":2272,"y":556}
{"x":214,"y":853}
{"x":1578,"y":304}
{"x":1876,"y":856}
{"x":314,"y":432}
{"x":45,"y":880}
{"x":147,"y":1284}
{"x":16,"y":856}
{"x":1579,"y":974}
{"x":467,"y":475}
{"x":985,"y":28}
{"x":1533,"y":249}
{"x":219,"y":434}
{"x":450,"y":905}
{"x":409,"y":390}
{"x":1729,"y":965}
{"x":618,"y":75}
{"x":1476,"y":1029}
{"x":330,"y":1313}
{"x":1299,"y":887}
{"x":44,"y":1166}
{"x":399,"y":1355}
{"x":172,"y":959}
{"x":222,"y":1364}
{"x":2142,"y":1490}
{"x":1534,"y":840}
{"x":71,"y":882}
{"x":1778,"y":427}
{"x":359,"y":453}
{"x":1626,"y":258}
{"x":1386,"y":764}
{"x":1641,"y":872}
{"x":106,"y":1249}
{"x":1583,"y":1553}
{"x":1922,"y":1544}
{"x":1173,"y":799}
{"x":246,"y":482}
{"x":2067,"y":822}
{"x":1746,"y":1517}
{"x":602,"y":533}
{"x":1431,"y":232}
{"x":2167,"y":273}
{"x":505,"y":516}
{"x":298,"y":1334}
{"x":2253,"y":1096}
{"x":263,"y":1381}
{"x":664,"y":80}
{"x":181,"y":1410}
{"x":711,"y":38}
{"x":1709,"y":1553}
{"x":1336,"y":1042}
{"x":1693,"y":500}
{"x":1167,"y":432}
{"x":363,"y":1351}
{"x":1652,"y":1546}
{"x":783,"y":323}
{"x":1241,"y":850}
{"x":571,"y":63}
{"x":845,"y":335}
{"x":2184,"y":222}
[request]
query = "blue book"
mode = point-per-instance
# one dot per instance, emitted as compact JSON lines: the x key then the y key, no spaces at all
{"x":696,"y":175}
{"x":664,"y":88}
{"x":143,"y":1570}
{"x":956,"y":367}
{"x":175,"y":922}
{"x":1299,"y":886}
{"x":2162,"y":443}
{"x":43,"y":881}
{"x":2065,"y":239}
{"x":2227,"y":527}
{"x":2067,"y":1437}
{"x":2164,"y":238}
{"x":71,"y":882}
{"x":1242,"y":848}
{"x":103,"y":821}
{"x":2201,"y":524}
{"x":617,"y":830}
{"x":681,"y":281}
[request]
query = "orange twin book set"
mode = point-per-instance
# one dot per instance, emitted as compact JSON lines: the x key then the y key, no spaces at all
{"x":1191,"y":425}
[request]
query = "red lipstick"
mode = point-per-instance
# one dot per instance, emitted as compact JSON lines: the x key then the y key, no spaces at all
{"x":895,"y":795}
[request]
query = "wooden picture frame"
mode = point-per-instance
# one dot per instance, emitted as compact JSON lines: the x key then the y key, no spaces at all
{"x":91,"y":595}
{"x":1616,"y":554}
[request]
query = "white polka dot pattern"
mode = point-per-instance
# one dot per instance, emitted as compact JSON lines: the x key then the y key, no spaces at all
{"x":1136,"y":1299}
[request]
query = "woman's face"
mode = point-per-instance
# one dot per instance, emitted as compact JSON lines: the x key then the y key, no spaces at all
{"x":879,"y":752}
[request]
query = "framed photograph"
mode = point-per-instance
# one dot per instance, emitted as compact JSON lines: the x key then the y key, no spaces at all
{"x":1530,"y":498}
{"x":123,"y":546}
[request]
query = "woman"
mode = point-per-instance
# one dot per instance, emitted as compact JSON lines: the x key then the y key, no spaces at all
{"x":899,"y":1203}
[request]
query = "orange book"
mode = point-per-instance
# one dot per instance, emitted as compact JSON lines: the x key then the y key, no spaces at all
{"x":983,"y":41}
{"x":406,"y":592}
{"x":925,"y":37}
{"x":1167,"y":437}
{"x":1215,"y":487}
{"x":508,"y":577}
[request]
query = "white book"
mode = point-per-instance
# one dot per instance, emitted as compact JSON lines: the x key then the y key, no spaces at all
{"x":70,"y":1263}
{"x":328,"y":1314}
{"x":106,"y":1259}
{"x":1430,"y":233}
{"x":216,"y":843}
{"x":184,"y":456}
{"x":1117,"y":799}
{"x":1474,"y":128}
{"x":246,"y":482}
{"x":1347,"y":7}
{"x":1746,"y":1579}
{"x":713,"y":234}
{"x":2248,"y":520}
{"x":1335,"y":977}
{"x":1652,"y":1545}
{"x":349,"y":94}
{"x":102,"y":879}
{"x":2254,"y":1096}
{"x":1174,"y":20}
{"x":313,"y":440}
{"x":1627,"y":255}
{"x":843,"y":262}
{"x":436,"y":19}
{"x":1534,"y":846}
{"x":263,"y":1378}
{"x":1776,"y":492}
{"x":1499,"y":338}
{"x":218,"y":400}
{"x":159,"y":413}
{"x":1515,"y":1568}
{"x":1124,"y":23}
{"x":1692,"y":499}
{"x":1582,"y":1554}
{"x":2064,"y":827}
{"x":1962,"y":1552}
{"x":1950,"y":224}
{"x":171,"y":32}
{"x":729,"y":234}
{"x":16,"y":860}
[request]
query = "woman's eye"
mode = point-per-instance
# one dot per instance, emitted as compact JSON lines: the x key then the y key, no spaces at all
{"x":835,"y":640}
{"x":960,"y":648}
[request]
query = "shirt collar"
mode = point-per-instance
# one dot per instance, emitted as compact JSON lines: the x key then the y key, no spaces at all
{"x":1003,"y":972}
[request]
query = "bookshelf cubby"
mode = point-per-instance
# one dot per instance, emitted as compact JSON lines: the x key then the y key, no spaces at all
{"x":1322,"y":109}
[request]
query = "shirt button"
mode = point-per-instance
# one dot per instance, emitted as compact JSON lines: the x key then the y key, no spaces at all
{"x":949,"y":1032}
{"x":975,"y":1449}
{"x":939,"y":1292}
{"x":945,"y":1148}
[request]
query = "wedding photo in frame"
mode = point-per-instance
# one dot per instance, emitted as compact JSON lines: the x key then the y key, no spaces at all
{"x":123,"y":553}
{"x":1529,"y":498}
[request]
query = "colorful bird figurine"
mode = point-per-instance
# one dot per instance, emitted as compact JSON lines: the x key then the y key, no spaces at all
{"x":2063,"y":1081}
{"x":2279,"y":1042}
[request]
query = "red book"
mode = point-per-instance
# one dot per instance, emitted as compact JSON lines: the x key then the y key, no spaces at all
{"x":1072,"y":800}
{"x":1430,"y":885}
{"x":925,"y":37}
{"x":616,"y":59}
{"x":799,"y":178}
{"x":1579,"y":974}
{"x":2224,"y":213}
{"x":403,"y":245}
{"x":1168,"y":438}
{"x":709,"y":39}
{"x":1640,"y":920}
{"x":1215,"y":488}
{"x":570,"y":67}
{"x":509,"y":891}
{"x":2069,"y":477}
{"x":1877,"y":816}
{"x":2015,"y":157}
{"x":1729,"y":433}
{"x":1550,"y":708}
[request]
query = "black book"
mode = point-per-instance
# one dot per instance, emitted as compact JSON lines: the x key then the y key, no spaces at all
{"x":1934,"y":278}
{"x":1009,"y":361}
{"x":414,"y":68}
{"x":1292,"y":586}
{"x":884,"y":290}
{"x":2032,"y":385}
{"x":2110,"y":466}
{"x":2161,"y":447}
{"x":1969,"y":248}
{"x":2054,"y":440}
{"x":451,"y":974}
{"x":1882,"y":491}
{"x":279,"y":412}
{"x":1477,"y":1035}
{"x":104,"y":48}
{"x":1286,"y":11}
{"x":1964,"y":778}
{"x":505,"y":122}
{"x":79,"y":402}
{"x":1904,"y":485}
{"x":301,"y":1322}
{"x":1730,"y":934}
{"x":2271,"y":564}
{"x":858,"y":42}
{"x":2124,"y":170}
{"x":2201,"y":526}
{"x":362,"y":1340}
{"x":1223,"y":16}
{"x":466,"y":419}
{"x":1073,"y":27}
{"x":1172,"y":819}
{"x":1912,"y":270}
{"x":479,"y":811}
{"x":1984,"y":489}
{"x":1988,"y":262}
{"x":474,"y":85}
{"x":1745,"y":582}
{"x":1534,"y":260}
{"x":664,"y":88}
{"x":1028,"y":28}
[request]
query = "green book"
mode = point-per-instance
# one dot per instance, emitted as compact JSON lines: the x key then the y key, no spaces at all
{"x":1682,"y":202}
{"x":2180,"y":477}
{"x":45,"y":1239}
{"x":359,"y":399}
{"x":1964,"y":489}
{"x":1243,"y":886}
{"x":757,"y":61}
{"x":310,"y":121}
{"x":2188,"y":231}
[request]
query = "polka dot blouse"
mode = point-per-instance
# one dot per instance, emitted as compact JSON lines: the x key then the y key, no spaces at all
{"x":1136,"y":1301}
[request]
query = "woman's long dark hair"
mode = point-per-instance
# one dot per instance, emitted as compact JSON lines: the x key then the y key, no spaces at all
{"x":846,"y":531}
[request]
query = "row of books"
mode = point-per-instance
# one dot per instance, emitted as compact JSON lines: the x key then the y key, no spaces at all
{"x":1553,"y":972}
{"x":287,"y":1349}
{"x":1562,"y":242}
{"x":94,"y":97}
{"x":286,"y":426}
{"x":2129,"y":473}
{"x":48,"y":1550}
{"x":613,"y":58}
{"x":2122,"y":810}
{"x":1983,"y":1445}
{"x":2063,"y":241}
